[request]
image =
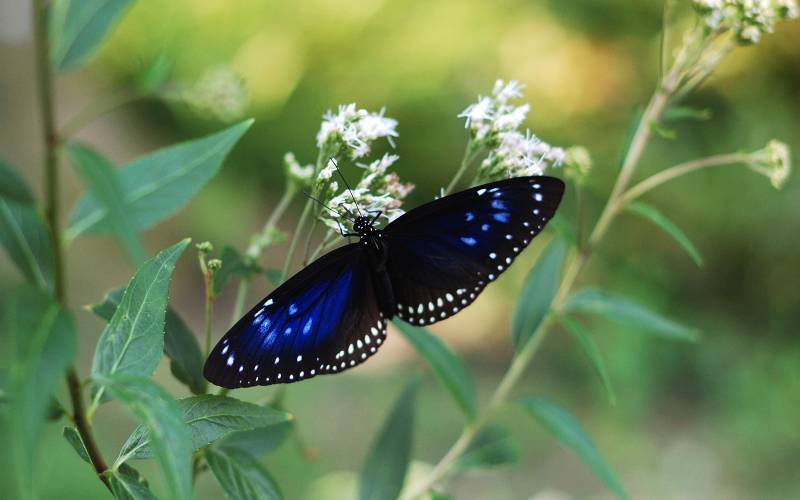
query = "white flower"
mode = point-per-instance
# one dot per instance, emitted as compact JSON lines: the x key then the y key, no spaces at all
{"x":376,"y":191}
{"x":355,"y":129}
{"x":221,"y":92}
{"x":747,"y":19}
{"x":519,"y":155}
{"x":491,"y":116}
{"x":774,"y":161}
{"x":297,"y":174}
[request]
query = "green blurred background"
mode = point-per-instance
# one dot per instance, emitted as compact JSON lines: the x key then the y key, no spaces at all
{"x":713,"y":420}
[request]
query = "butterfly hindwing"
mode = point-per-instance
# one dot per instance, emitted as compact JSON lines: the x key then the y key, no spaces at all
{"x":442,"y":254}
{"x":325,"y":319}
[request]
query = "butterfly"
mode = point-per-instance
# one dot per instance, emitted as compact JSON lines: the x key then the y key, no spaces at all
{"x":423,"y":267}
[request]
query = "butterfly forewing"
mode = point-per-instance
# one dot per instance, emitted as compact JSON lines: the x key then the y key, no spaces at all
{"x":325,"y":319}
{"x":443,"y":254}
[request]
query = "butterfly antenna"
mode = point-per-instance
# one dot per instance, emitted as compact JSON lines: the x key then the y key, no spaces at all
{"x":333,"y":160}
{"x":329,"y":208}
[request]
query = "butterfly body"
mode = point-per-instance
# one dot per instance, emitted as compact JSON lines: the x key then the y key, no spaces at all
{"x":423,"y":267}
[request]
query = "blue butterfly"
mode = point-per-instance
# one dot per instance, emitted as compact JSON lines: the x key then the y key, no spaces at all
{"x":423,"y":267}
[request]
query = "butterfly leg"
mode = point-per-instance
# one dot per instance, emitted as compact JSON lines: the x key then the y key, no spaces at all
{"x":375,"y":214}
{"x":344,"y":233}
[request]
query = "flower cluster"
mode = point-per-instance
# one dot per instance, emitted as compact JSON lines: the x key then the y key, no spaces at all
{"x":377,"y":191}
{"x":297,"y":175}
{"x":774,"y":161}
{"x":354,"y":130}
{"x":494,"y":124}
{"x":220,"y":92}
{"x":747,"y":19}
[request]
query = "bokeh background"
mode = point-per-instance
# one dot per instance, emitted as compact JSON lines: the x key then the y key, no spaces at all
{"x":717,"y":419}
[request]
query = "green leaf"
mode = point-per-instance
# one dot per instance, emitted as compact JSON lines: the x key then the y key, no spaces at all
{"x":592,"y":352}
{"x":259,"y":441}
{"x":133,"y":340}
{"x":27,"y":242}
{"x":75,"y":440}
{"x":537,"y":294}
{"x":78,"y":27}
{"x":653,"y":215}
{"x":662,"y":131}
{"x":384,"y":469}
{"x":273,"y":276}
{"x":492,"y":447}
{"x":156,"y":74}
{"x":128,"y":484}
{"x":101,"y":179}
{"x":13,"y":187}
{"x":564,"y":427}
{"x":38,"y":346}
{"x":627,"y":312}
{"x":241,"y":475}
{"x":677,"y":113}
{"x":180,"y":344}
{"x":232,"y":265}
{"x":159,"y":184}
{"x":170,"y":437}
{"x":210,"y":418}
{"x":447,"y":367}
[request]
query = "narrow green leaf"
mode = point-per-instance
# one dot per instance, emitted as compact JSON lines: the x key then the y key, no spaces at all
{"x":180,"y":344}
{"x":662,"y":131}
{"x":627,"y":312}
{"x":241,"y":475}
{"x":128,"y":484}
{"x":447,"y":367}
{"x":492,"y":447}
{"x":156,"y":74}
{"x":563,"y":228}
{"x":384,"y":469}
{"x":656,"y":217}
{"x":170,"y":437}
{"x":27,"y":242}
{"x":592,"y":352}
{"x":78,"y":27}
{"x":259,"y":441}
{"x":232,"y":265}
{"x":210,"y":418}
{"x":160,"y":183}
{"x":13,"y":187}
{"x":537,"y":294}
{"x":564,"y":427}
{"x":101,"y":179}
{"x":39,"y":345}
{"x":75,"y":440}
{"x":133,"y":340}
{"x":677,"y":113}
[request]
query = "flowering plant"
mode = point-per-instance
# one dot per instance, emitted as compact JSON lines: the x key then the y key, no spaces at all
{"x":213,"y":432}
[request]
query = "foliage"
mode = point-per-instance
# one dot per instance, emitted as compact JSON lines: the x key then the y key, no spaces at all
{"x":226,"y":436}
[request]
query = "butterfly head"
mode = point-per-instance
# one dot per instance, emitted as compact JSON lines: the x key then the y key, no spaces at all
{"x":364,"y":225}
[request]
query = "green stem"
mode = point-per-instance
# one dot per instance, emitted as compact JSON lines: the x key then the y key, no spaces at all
{"x":209,"y":302}
{"x":44,"y":82}
{"x":677,"y":171}
{"x":254,"y":251}
{"x":470,"y":152}
{"x":652,"y":114}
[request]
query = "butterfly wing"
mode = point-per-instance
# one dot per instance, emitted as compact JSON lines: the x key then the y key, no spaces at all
{"x":442,"y":254}
{"x":325,"y":319}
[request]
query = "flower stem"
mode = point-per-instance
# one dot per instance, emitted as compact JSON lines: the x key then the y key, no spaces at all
{"x":44,"y":80}
{"x":98,"y":108}
{"x":470,"y":152}
{"x":209,"y":301}
{"x":678,"y":170}
{"x":254,"y":251}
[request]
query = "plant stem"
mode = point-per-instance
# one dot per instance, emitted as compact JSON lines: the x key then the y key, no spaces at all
{"x":209,"y":301}
{"x":44,"y":82}
{"x":254,"y":251}
{"x":678,"y":170}
{"x":652,"y":114}
{"x":470,"y":152}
